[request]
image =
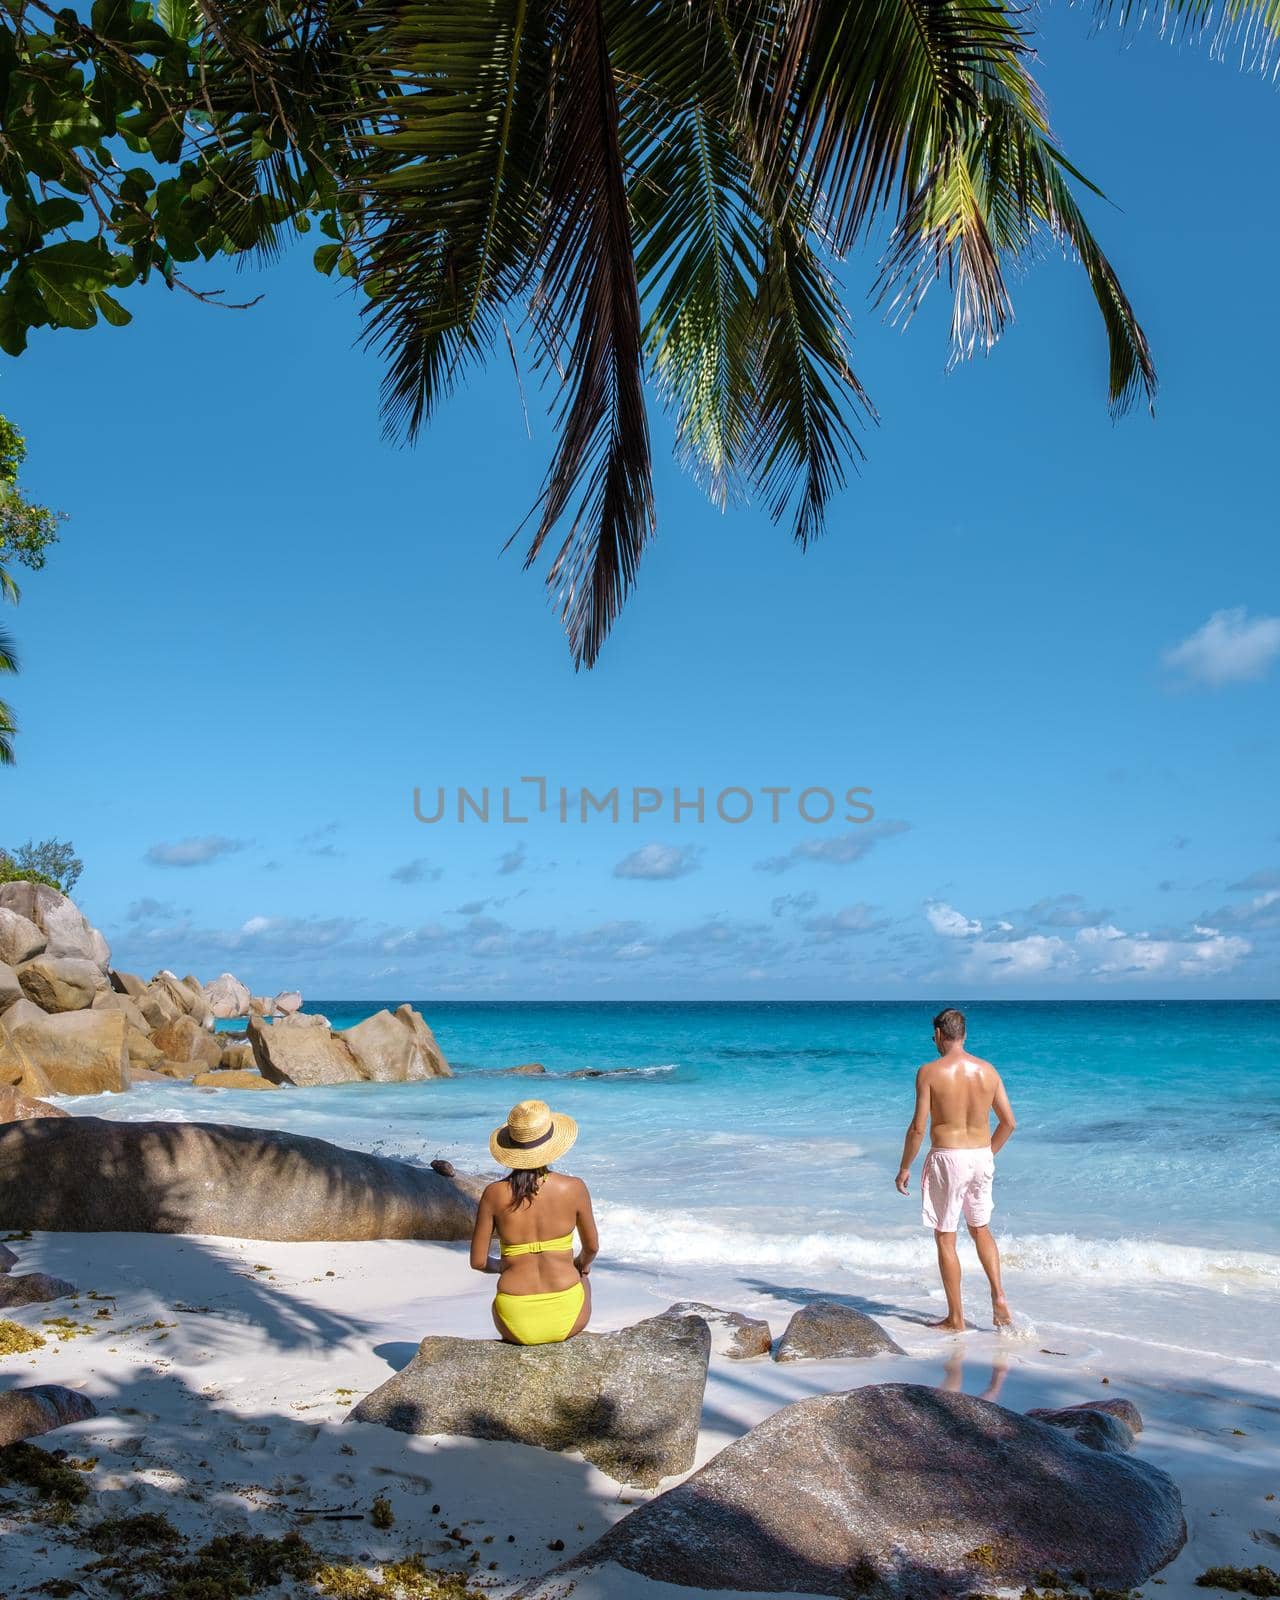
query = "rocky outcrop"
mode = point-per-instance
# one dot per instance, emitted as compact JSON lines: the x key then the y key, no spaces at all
{"x":1102,"y":1424}
{"x":127,"y":983}
{"x":395,"y":1048}
{"x":897,"y":1490}
{"x":17,"y":1107}
{"x":183,"y":1040}
{"x":20,"y":938}
{"x":109,"y":1000}
{"x":11,"y":991}
{"x":526,"y":1069}
{"x":32,"y":1289}
{"x":301,"y":1050}
{"x":630,"y":1401}
{"x":66,"y":930}
{"x":733,"y":1334}
{"x":7,"y":1258}
{"x":75,"y":1052}
{"x":27,"y":1413}
{"x":17,"y":1070}
{"x":231,"y":1079}
{"x":287,"y":1002}
{"x":61,"y":983}
{"x":84,"y":1174}
{"x":827,"y":1331}
{"x":226,"y":996}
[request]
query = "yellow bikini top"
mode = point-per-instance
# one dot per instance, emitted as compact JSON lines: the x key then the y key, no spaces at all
{"x":535,"y":1247}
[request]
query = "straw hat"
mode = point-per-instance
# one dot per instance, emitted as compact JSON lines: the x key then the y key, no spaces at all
{"x":533,"y":1136}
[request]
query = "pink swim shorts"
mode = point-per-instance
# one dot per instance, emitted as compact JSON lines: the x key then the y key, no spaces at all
{"x":957,"y":1183}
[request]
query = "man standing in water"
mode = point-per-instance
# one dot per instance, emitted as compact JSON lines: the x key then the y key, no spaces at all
{"x":955,"y":1096}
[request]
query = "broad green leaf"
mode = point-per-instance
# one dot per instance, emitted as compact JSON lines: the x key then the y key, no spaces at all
{"x":112,"y":310}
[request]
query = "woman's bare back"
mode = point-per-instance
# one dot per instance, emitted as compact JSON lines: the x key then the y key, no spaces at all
{"x":556,"y":1209}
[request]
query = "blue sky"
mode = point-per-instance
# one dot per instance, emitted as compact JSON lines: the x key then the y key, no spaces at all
{"x":1046,"y":643}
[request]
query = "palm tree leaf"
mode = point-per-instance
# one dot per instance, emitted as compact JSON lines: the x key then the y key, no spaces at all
{"x":1010,"y":185}
{"x":697,"y":233}
{"x":867,"y":96}
{"x":587,"y":296}
{"x":801,"y":437}
{"x":448,"y":183}
{"x":1249,"y":29}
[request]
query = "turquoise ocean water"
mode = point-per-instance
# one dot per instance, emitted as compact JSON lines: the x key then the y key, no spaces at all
{"x":760,"y":1141}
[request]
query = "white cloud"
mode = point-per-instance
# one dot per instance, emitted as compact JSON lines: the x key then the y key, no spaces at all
{"x":511,"y":861}
{"x":1104,"y":953}
{"x":658,"y":862}
{"x":841,"y":850}
{"x":1231,"y":647}
{"x":949,"y":922}
{"x":419,"y":870}
{"x":193,"y":852}
{"x":1110,"y":952}
{"x":846,"y":923}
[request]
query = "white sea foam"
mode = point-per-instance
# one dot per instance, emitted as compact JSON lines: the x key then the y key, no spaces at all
{"x":680,"y":1238}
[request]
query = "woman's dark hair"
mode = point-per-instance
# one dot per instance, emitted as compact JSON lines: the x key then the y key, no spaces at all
{"x":525,"y":1183}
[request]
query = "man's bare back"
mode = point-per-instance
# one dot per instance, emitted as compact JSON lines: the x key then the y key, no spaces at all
{"x":963,"y":1090}
{"x":955,"y":1097}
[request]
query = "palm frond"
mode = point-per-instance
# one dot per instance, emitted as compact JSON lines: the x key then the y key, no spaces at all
{"x":587,"y":294}
{"x":449,"y":185}
{"x":1248,"y":30}
{"x":801,"y":438}
{"x":8,"y":727}
{"x":866,"y":97}
{"x":1011,"y":185}
{"x":697,"y":234}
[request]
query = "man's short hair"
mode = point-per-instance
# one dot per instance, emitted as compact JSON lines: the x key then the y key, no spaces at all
{"x":949,"y":1023}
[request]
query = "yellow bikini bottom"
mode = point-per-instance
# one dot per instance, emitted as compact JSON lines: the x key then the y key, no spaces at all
{"x":540,"y":1318}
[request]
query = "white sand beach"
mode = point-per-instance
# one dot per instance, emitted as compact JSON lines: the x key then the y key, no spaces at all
{"x":223,"y":1369}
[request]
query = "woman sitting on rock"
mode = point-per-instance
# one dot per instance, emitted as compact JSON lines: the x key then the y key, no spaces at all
{"x":543,"y":1295}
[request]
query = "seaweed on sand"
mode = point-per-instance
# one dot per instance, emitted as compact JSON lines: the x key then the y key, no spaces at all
{"x":1259,"y":1580}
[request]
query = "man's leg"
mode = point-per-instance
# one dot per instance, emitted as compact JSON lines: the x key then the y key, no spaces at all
{"x":949,"y":1267}
{"x":989,"y":1255}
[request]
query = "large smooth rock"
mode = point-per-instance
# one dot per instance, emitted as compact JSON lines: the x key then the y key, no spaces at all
{"x":301,"y":1050}
{"x":897,"y":1490}
{"x":395,"y":1048}
{"x":630,"y":1401}
{"x":17,"y":1070}
{"x":32,"y":1289}
{"x":61,"y":983}
{"x":20,"y":938}
{"x":85,"y":1174}
{"x":167,"y":996}
{"x":287,"y":1003}
{"x":109,"y":1000}
{"x":127,"y":983}
{"x":11,"y":991}
{"x":18,"y":1107}
{"x":425,"y":1039}
{"x":226,"y":996}
{"x":231,"y":1078}
{"x":827,"y":1331}
{"x":76,"y":1052}
{"x":66,"y":929}
{"x":27,"y":1413}
{"x":1101,"y":1424}
{"x":733,"y":1334}
{"x":185,"y":1040}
